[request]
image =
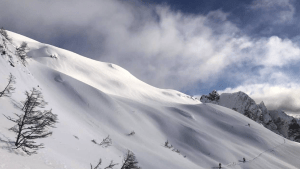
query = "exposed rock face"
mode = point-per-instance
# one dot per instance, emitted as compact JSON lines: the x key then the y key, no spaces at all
{"x":267,"y":120}
{"x":294,"y":131}
{"x":275,"y":120}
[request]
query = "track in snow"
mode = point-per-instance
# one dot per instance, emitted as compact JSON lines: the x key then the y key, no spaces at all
{"x":268,"y":150}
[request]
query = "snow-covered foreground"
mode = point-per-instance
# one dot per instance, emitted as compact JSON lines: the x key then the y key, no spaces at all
{"x":94,"y":99}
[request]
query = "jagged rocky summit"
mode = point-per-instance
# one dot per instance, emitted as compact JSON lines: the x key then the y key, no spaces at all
{"x":275,"y":120}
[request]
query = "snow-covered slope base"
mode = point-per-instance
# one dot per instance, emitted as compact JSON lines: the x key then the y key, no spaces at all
{"x":94,"y":99}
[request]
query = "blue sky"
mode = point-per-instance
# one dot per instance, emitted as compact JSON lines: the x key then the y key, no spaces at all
{"x":193,"y":46}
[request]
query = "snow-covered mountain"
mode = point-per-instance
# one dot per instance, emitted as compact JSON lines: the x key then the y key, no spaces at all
{"x":275,"y":120}
{"x":94,"y":99}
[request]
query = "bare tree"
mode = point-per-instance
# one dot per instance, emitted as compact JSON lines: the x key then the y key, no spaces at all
{"x":33,"y":123}
{"x":110,"y":166}
{"x":129,"y":161}
{"x":9,"y":87}
{"x":99,"y":163}
{"x":3,"y":32}
{"x":106,"y":142}
{"x":22,"y":52}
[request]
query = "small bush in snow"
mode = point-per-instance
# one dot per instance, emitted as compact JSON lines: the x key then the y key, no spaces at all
{"x":106,"y":142}
{"x":11,"y":61}
{"x":33,"y":123}
{"x":131,"y":134}
{"x":2,"y":50}
{"x":53,"y":56}
{"x":176,"y":150}
{"x":168,"y":145}
{"x":9,"y":89}
{"x":94,"y":141}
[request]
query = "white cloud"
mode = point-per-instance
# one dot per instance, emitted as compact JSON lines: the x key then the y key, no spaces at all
{"x":164,"y":48}
{"x":280,"y":52}
{"x":184,"y":49}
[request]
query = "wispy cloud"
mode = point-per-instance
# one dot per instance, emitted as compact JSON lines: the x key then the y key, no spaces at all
{"x":162,"y":47}
{"x":275,"y":11}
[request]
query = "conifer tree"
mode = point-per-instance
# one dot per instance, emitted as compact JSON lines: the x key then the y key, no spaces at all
{"x":21,"y":52}
{"x":33,"y":123}
{"x":9,"y":87}
{"x":130,"y":161}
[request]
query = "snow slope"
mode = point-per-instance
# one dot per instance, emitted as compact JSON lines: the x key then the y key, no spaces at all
{"x":94,"y":99}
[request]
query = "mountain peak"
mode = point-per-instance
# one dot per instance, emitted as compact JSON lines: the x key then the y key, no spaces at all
{"x":275,"y":120}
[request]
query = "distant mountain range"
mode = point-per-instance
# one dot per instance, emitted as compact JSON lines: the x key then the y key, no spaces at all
{"x":275,"y":120}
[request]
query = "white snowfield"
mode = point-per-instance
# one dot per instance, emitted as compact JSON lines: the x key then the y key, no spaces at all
{"x":94,"y":99}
